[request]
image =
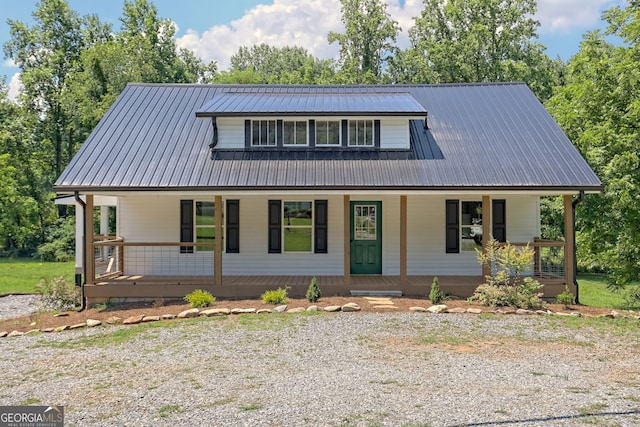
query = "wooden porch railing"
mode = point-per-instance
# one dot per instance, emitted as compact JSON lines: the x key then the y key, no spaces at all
{"x":548,"y":260}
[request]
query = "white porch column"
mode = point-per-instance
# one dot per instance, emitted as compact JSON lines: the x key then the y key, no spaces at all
{"x":104,"y":229}
{"x":569,"y":263}
{"x":347,"y":239}
{"x":217,"y":252}
{"x":403,"y":239}
{"x":486,"y":230}
{"x":79,"y":238}
{"x":90,"y":268}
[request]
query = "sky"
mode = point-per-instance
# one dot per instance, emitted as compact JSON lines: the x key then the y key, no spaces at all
{"x":215,"y":29}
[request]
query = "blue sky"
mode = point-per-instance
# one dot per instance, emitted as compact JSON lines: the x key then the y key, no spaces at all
{"x":215,"y":29}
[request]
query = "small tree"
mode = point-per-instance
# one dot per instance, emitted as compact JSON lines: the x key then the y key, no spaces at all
{"x":435,"y":295}
{"x":313,"y":292}
{"x":505,"y":284}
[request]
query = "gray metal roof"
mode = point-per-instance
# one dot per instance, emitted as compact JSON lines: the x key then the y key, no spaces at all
{"x":261,"y":103}
{"x":480,"y":136}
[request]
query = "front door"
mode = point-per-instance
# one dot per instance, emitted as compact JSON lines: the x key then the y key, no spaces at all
{"x":366,"y":237}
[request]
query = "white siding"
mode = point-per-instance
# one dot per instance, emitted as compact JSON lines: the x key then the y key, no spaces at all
{"x":157,"y":219}
{"x":394,"y":132}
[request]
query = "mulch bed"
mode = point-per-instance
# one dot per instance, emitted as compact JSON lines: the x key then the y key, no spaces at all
{"x":43,"y":320}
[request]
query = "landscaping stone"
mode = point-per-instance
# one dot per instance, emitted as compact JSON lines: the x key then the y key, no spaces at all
{"x":332,"y":308}
{"x":168,"y":316}
{"x":151,"y":318}
{"x":385,"y":307}
{"x":313,"y":308}
{"x":297,"y":310}
{"x":78,"y":325}
{"x":440,"y":308}
{"x":3,"y":334}
{"x":350,"y":307}
{"x":133,"y":320}
{"x":576,"y":314}
{"x":15,"y":334}
{"x":113,"y":320}
{"x":264,"y":311}
{"x":474,"y":310}
{"x":523,"y":311}
{"x":215,"y":312}
{"x":192,"y":312}
{"x":92,"y":323}
{"x":280,"y":309}
{"x":457,"y":310}
{"x":62,"y":328}
{"x":418,"y":309}
{"x":32,"y":331}
{"x":242,"y":311}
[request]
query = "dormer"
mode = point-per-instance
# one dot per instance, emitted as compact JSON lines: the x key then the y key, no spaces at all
{"x":268,"y":119}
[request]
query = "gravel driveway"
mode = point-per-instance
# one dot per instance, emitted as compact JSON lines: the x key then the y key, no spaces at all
{"x":341,"y":369}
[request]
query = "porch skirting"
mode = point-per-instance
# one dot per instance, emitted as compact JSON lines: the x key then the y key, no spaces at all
{"x":175,"y":287}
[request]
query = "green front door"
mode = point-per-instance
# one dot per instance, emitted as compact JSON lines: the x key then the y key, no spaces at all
{"x":366,"y":237}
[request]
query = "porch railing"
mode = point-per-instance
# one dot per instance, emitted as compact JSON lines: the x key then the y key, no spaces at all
{"x":151,"y":258}
{"x":548,"y":260}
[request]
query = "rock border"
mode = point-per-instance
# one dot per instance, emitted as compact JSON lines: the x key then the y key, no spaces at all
{"x":346,"y":308}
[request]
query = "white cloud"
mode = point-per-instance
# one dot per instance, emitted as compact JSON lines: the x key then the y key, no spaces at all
{"x":9,"y":63}
{"x":14,"y":87}
{"x":563,"y":16}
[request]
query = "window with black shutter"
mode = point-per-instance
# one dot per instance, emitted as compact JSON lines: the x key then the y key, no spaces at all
{"x":499,"y":216}
{"x":233,"y":226}
{"x":186,"y":225}
{"x":321,"y":221}
{"x":452,"y":227}
{"x":275,"y":224}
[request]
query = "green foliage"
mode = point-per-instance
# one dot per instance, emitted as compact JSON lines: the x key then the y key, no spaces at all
{"x":632,"y":296}
{"x":200,"y":298}
{"x":58,"y":294}
{"x":505,"y":285}
{"x":313,"y":291}
{"x":61,"y":238}
{"x":566,"y":297}
{"x":21,"y":275}
{"x":279,"y":296}
{"x":435,"y":294}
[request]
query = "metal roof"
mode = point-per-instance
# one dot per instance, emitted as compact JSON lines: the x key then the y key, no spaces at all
{"x":260,"y":103}
{"x":479,"y":137}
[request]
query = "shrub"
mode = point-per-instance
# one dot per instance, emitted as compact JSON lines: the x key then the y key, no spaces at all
{"x":61,"y":240}
{"x":632,"y":296}
{"x":313,"y":291}
{"x":279,"y":296}
{"x":565,"y":298}
{"x":505,"y":285}
{"x":57,"y":294}
{"x":435,"y":295}
{"x":200,"y":298}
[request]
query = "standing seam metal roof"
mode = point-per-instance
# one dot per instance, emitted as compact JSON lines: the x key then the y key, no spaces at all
{"x":480,"y":136}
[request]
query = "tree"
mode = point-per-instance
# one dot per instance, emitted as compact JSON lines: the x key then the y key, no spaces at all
{"x":478,"y":41}
{"x":367,"y":42}
{"x":599,"y":109}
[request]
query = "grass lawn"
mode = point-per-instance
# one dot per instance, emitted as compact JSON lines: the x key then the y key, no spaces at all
{"x":594,"y":292}
{"x":21,"y":275}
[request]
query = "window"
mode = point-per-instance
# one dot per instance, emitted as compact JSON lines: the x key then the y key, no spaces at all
{"x":205,"y":224}
{"x":361,"y":133}
{"x":471,"y":226}
{"x":364,"y":222}
{"x":263,"y":133}
{"x":297,"y":226}
{"x":327,"y":132}
{"x":294,"y":132}
{"x":198,"y":224}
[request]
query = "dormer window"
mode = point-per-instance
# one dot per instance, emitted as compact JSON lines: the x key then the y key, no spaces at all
{"x":327,"y":132}
{"x":294,"y":132}
{"x":361,"y":133}
{"x":263,"y":133}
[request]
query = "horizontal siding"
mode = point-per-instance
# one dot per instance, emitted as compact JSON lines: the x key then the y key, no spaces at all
{"x":394,"y":133}
{"x":157,"y":219}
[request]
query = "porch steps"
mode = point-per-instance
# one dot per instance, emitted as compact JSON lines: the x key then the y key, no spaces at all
{"x":376,"y":293}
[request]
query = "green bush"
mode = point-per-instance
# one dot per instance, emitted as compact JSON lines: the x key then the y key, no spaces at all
{"x":566,"y":298}
{"x":61,"y":241}
{"x":313,"y":291}
{"x":435,"y":295}
{"x":200,"y":298}
{"x":279,"y":296}
{"x":58,"y":294}
{"x":505,"y":285}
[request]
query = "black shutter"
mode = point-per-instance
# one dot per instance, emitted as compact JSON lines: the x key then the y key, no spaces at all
{"x":312,"y":133}
{"x":345,"y":133}
{"x":499,"y":216}
{"x":279,"y":132}
{"x":453,"y":226}
{"x":233,"y":226}
{"x":320,"y":226}
{"x":275,"y":227}
{"x":186,"y":225}
{"x":376,"y":133}
{"x":247,"y":133}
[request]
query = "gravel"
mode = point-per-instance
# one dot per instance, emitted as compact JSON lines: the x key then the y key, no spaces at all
{"x":18,"y":305}
{"x":341,"y":369}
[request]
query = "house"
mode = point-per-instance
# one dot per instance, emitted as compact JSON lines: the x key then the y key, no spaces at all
{"x":241,"y":188}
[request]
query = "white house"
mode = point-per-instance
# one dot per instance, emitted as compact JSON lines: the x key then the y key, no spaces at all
{"x":364,"y":187}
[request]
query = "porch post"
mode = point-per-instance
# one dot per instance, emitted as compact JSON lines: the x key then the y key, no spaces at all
{"x":486,"y":230}
{"x":104,"y":229}
{"x":217,"y":252}
{"x":90,"y":258}
{"x":569,"y":240}
{"x":347,"y":239}
{"x":403,"y":239}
